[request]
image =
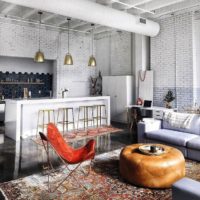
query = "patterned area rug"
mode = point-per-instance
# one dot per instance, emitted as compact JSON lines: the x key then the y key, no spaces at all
{"x":103,"y":183}
{"x":2,"y":195}
{"x":85,"y":134}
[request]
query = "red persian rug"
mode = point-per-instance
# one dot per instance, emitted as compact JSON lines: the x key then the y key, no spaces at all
{"x":85,"y":134}
{"x":103,"y":183}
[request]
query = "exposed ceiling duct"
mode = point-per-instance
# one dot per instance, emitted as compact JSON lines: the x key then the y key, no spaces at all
{"x":94,"y":13}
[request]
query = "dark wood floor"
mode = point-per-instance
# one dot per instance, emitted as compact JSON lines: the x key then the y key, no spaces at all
{"x":26,"y":158}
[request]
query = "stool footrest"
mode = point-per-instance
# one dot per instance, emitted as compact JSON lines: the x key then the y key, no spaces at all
{"x":41,"y":125}
{"x":100,"y":117}
{"x":86,"y":120}
{"x":65,"y":122}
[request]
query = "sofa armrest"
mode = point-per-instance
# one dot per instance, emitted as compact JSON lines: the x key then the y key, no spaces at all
{"x":146,"y":126}
{"x":185,"y":189}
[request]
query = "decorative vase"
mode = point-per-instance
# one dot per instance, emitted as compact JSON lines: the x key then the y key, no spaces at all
{"x":168,"y":105}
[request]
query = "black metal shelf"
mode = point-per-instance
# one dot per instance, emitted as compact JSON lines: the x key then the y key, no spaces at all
{"x":20,"y":83}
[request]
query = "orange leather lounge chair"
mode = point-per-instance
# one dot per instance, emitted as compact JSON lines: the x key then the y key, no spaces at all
{"x":66,"y":153}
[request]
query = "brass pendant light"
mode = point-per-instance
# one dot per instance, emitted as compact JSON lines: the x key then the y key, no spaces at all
{"x":68,"y":57}
{"x":39,"y":56}
{"x":92,"y":60}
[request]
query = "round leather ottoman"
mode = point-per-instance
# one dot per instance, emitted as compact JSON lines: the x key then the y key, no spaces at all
{"x":151,"y":171}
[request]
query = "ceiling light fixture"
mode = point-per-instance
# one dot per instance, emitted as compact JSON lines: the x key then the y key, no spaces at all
{"x":39,"y":56}
{"x":68,"y":57}
{"x":92,"y":60}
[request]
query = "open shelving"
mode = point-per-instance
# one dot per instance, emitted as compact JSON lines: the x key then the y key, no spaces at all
{"x":21,"y":83}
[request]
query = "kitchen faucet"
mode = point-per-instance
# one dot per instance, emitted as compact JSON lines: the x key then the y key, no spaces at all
{"x":63,"y":92}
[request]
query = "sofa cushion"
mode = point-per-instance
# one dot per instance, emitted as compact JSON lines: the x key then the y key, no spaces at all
{"x":170,"y":136}
{"x":184,"y":122}
{"x":194,"y":143}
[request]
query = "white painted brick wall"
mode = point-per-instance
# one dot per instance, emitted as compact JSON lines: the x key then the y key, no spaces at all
{"x":22,"y":41}
{"x":164,"y":47}
{"x":15,"y":64}
{"x":76,"y":77}
{"x":103,"y":55}
{"x":19,"y":40}
{"x":163,"y":55}
{"x":196,"y":43}
{"x":114,"y":53}
{"x":122,"y":54}
{"x":172,"y":57}
{"x":196,"y":58}
{"x":184,"y":50}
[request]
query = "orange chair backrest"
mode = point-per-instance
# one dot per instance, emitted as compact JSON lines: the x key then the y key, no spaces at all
{"x":58,"y":142}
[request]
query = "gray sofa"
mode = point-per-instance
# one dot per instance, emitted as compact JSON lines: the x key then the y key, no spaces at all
{"x":185,"y":189}
{"x":185,"y":137}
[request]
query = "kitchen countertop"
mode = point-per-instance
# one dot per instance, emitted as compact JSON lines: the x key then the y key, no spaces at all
{"x":55,"y":100}
{"x":21,"y":115}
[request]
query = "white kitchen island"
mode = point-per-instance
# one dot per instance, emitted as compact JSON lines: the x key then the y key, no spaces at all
{"x":21,"y":114}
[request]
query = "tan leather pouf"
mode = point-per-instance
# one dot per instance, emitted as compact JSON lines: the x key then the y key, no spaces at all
{"x":151,"y":171}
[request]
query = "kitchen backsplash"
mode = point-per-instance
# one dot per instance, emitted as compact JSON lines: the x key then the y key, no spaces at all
{"x":12,"y":84}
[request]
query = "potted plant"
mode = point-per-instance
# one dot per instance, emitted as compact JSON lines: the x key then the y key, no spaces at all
{"x":169,"y":97}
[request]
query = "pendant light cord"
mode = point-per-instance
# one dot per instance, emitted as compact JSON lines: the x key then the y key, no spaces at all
{"x":92,"y":38}
{"x":40,"y":13}
{"x":68,"y":34}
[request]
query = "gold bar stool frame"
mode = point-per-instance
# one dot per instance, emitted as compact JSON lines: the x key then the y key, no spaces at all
{"x":87,"y":117}
{"x":50,"y":114}
{"x":64,"y":113}
{"x":100,"y":109}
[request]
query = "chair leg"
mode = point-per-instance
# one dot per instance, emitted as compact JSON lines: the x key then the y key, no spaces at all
{"x":46,"y":147}
{"x":100,"y":114}
{"x":97,"y":116}
{"x":87,"y":117}
{"x":106,"y":118}
{"x":67,"y":120}
{"x":73,"y":120}
{"x":93,"y":117}
{"x":43,"y":121}
{"x":38,"y":123}
{"x":90,"y":167}
{"x":63,"y":122}
{"x":78,"y":118}
{"x":71,"y":173}
{"x":49,"y":117}
{"x":58,"y":115}
{"x":54,"y":117}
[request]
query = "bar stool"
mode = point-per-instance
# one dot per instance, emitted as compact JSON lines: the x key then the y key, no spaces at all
{"x":64,"y":113}
{"x":87,"y":112}
{"x":100,"y":109}
{"x":50,"y":114}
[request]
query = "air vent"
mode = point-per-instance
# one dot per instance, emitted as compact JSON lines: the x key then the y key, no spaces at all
{"x":142,"y":21}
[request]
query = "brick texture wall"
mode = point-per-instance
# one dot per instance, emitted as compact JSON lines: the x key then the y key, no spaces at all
{"x":19,"y":40}
{"x":114,"y":53}
{"x":196,"y":71}
{"x":22,"y":41}
{"x":122,"y":53}
{"x":172,"y":60}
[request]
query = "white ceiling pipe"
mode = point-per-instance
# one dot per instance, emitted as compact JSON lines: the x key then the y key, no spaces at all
{"x":94,"y":13}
